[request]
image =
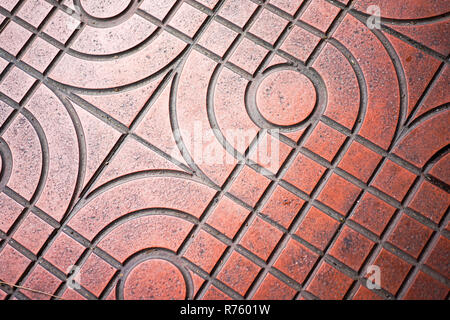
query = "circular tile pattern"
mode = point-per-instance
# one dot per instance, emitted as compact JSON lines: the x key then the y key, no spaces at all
{"x":105,"y":8}
{"x":154,"y":279}
{"x":120,"y":13}
{"x":285,"y":97}
{"x":154,"y":274}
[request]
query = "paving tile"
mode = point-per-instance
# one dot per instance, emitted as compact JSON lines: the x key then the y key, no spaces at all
{"x":204,"y":251}
{"x":300,"y":43}
{"x":365,"y":294}
{"x":249,"y":185}
{"x":294,"y":91}
{"x":360,"y":161}
{"x":410,"y":235}
{"x":248,"y":55}
{"x":61,"y":26}
{"x":11,"y":211}
{"x":32,"y":233}
{"x":320,"y":14}
{"x":296,"y":261}
{"x":95,"y":274}
{"x":273,"y":289}
{"x":157,"y":8}
{"x":304,"y":173}
{"x":261,"y":238}
{"x":373,"y":213}
{"x":141,"y":280}
{"x":218,"y":45}
{"x":394,"y":180}
{"x":286,"y":5}
{"x":343,"y":101}
{"x":393,"y":270}
{"x":270,"y":153}
{"x":40,"y":280}
{"x":34,"y":11}
{"x":13,"y":264}
{"x":238,"y":273}
{"x":40,"y":54}
{"x":283,"y":206}
{"x":329,"y":284}
{"x":317,"y":228}
{"x":268,"y":34}
{"x":64,"y":253}
{"x":431,"y":202}
{"x":215,"y":294}
{"x":187,"y":19}
{"x":237,"y":11}
{"x":228,"y":217}
{"x":439,"y":257}
{"x":351,"y":248}
{"x":16,"y":84}
{"x":13,"y":37}
{"x":8,"y":4}
{"x":425,"y":287}
{"x":192,"y":162}
{"x":339,"y":194}
{"x":325,"y":141}
{"x":441,"y":169}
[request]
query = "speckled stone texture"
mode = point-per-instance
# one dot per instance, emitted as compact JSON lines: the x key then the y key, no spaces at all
{"x":224,"y":149}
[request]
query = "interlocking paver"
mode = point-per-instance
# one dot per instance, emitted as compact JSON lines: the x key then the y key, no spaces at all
{"x":224,"y":149}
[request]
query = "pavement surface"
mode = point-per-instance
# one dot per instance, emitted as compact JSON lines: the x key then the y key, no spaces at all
{"x":224,"y":149}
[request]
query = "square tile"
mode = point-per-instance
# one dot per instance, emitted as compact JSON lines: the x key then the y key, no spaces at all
{"x":351,"y":248}
{"x":34,"y":11}
{"x":238,"y":273}
{"x":205,"y":251}
{"x":300,"y":43}
{"x":430,"y":201}
{"x":187,"y":20}
{"x":339,"y":194}
{"x":296,"y":261}
{"x":329,"y":283}
{"x":261,"y":238}
{"x":304,"y":173}
{"x":249,"y":186}
{"x":394,"y":180}
{"x":270,"y":35}
{"x":13,"y":38}
{"x":410,"y":235}
{"x":373,"y":213}
{"x":317,"y":228}
{"x":282,"y":206}
{"x":32,"y":233}
{"x":217,"y":44}
{"x":325,"y":141}
{"x":393,"y":270}
{"x":274,"y":289}
{"x":228,"y":217}
{"x":360,"y":161}
{"x":248,"y":56}
{"x":237,"y":11}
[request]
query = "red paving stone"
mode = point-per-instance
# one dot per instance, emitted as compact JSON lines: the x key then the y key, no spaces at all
{"x":224,"y":149}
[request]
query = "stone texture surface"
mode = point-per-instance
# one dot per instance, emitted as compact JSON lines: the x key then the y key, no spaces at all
{"x":224,"y":149}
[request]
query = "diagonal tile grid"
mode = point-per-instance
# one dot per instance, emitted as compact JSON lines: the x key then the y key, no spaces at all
{"x":103,"y":195}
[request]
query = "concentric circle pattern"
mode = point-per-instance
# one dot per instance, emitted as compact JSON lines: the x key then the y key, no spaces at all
{"x":224,"y":149}
{"x":294,"y":98}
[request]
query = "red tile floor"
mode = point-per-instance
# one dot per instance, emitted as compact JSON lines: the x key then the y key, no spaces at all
{"x":224,"y":149}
